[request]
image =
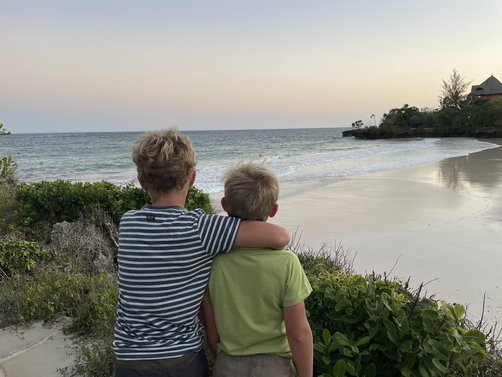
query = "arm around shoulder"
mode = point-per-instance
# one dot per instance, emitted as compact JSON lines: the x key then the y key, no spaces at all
{"x":299,"y":337}
{"x":261,"y":234}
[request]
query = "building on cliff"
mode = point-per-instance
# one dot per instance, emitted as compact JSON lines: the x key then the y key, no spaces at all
{"x":490,"y":88}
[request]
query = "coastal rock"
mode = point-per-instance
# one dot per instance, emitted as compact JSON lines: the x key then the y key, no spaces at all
{"x":372,"y":133}
{"x":489,"y":132}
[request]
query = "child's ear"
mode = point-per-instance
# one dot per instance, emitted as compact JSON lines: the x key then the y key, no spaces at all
{"x":274,"y":210}
{"x":143,"y":185}
{"x":224,"y":204}
{"x":192,"y":179}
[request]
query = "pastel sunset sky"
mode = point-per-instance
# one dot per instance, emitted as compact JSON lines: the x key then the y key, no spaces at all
{"x":136,"y":65}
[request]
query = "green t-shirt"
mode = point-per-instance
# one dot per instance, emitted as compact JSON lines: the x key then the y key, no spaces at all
{"x":248,"y":289}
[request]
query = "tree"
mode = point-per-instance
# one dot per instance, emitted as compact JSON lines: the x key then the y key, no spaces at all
{"x":453,"y":91}
{"x":399,"y":118}
{"x":3,"y":131}
{"x":358,"y":124}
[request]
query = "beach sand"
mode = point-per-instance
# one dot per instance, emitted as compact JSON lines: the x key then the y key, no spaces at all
{"x":440,"y":224}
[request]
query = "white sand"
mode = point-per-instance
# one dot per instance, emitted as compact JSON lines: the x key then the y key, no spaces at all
{"x":441,"y":223}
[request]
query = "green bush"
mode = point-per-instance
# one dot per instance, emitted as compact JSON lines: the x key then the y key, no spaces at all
{"x":96,"y":316}
{"x":18,"y":257}
{"x":8,"y":170}
{"x":46,"y":295}
{"x":327,"y":257}
{"x":8,"y":204}
{"x":198,"y":199}
{"x":366,"y":326}
{"x":95,"y":359}
{"x":8,"y":181}
{"x":49,"y":202}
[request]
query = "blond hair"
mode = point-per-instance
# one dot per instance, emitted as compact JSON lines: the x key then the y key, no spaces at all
{"x":251,"y":191}
{"x":165,"y":160}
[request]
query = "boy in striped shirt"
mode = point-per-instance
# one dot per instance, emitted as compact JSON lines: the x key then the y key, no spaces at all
{"x":165,"y":257}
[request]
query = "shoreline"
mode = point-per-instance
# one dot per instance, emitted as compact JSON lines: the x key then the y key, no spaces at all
{"x":438,"y":223}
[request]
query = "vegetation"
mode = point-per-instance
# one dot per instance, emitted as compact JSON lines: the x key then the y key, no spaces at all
{"x":372,"y":326}
{"x":453,"y":91}
{"x":8,"y":180}
{"x":3,"y":131}
{"x":368,"y":326}
{"x":363,"y":325}
{"x":459,"y":114}
{"x":8,"y":170}
{"x":42,"y":204}
{"x":20,"y":257}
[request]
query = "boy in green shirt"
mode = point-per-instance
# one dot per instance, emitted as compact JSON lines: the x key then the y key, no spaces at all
{"x":254,"y":312}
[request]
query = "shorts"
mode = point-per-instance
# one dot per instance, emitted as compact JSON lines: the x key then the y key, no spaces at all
{"x":253,"y":366}
{"x":192,"y":364}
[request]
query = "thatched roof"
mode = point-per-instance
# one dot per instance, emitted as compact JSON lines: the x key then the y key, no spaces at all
{"x":489,"y":87}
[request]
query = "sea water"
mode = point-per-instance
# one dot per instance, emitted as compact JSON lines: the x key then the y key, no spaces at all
{"x":300,"y":157}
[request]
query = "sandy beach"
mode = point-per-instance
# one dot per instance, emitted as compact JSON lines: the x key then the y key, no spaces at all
{"x":440,"y":224}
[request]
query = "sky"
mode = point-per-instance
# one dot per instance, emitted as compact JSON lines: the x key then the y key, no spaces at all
{"x":71,"y":65}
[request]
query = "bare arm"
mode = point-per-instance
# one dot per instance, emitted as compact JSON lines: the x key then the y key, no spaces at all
{"x":212,"y":337}
{"x":300,"y":338}
{"x":261,"y":234}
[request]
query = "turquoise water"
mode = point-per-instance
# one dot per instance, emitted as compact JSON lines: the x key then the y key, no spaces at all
{"x":310,"y":156}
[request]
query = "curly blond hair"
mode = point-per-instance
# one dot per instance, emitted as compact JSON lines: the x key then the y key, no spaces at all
{"x":165,"y":160}
{"x":251,"y":191}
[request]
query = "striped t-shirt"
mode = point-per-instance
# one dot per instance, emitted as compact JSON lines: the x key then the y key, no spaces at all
{"x":165,"y":257}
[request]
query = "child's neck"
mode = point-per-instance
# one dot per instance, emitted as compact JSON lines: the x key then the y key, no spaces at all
{"x":172,"y":199}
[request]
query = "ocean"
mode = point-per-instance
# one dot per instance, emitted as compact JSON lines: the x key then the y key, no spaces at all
{"x":300,"y":157}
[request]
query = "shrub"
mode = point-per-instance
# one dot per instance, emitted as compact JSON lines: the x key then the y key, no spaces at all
{"x":493,"y":362}
{"x":8,"y":181}
{"x":8,"y":170}
{"x":49,"y":202}
{"x":329,"y":256}
{"x":85,"y":247}
{"x":7,"y":207}
{"x":96,"y":314}
{"x":46,"y":294}
{"x":18,"y":257}
{"x":198,"y":199}
{"x":367,"y":326}
{"x":95,"y":359}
